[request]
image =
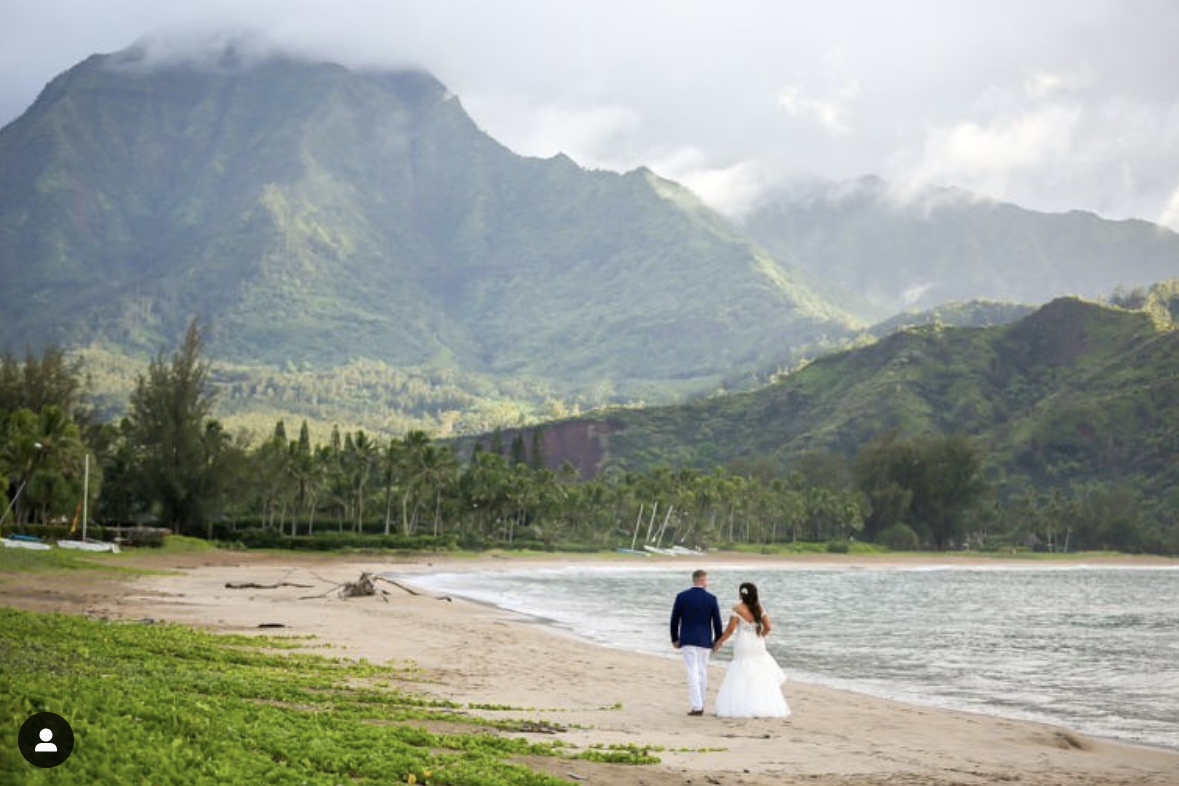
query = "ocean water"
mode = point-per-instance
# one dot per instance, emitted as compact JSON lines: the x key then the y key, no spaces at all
{"x":1093,"y":648}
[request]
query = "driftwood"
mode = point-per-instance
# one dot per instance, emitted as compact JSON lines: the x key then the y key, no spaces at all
{"x":411,"y":590}
{"x":402,"y":587}
{"x":255,"y":585}
{"x":365,"y":586}
{"x":361,"y":588}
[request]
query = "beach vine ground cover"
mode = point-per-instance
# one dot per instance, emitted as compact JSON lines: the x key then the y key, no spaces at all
{"x":166,"y":704}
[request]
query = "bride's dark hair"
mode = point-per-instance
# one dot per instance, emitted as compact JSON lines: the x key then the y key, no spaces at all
{"x":748,"y":591}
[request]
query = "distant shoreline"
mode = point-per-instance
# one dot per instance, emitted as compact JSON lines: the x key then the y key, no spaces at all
{"x":493,"y":559}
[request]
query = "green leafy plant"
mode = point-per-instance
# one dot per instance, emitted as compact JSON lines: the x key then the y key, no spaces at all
{"x":165,"y":704}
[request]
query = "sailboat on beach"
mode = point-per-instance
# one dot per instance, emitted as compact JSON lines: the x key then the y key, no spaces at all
{"x":656,"y":547}
{"x":20,"y":541}
{"x":84,"y":544}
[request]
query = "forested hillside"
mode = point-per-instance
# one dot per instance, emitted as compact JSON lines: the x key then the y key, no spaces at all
{"x":1054,"y":431}
{"x":364,"y":255}
{"x":324,"y":222}
{"x":1075,"y":396}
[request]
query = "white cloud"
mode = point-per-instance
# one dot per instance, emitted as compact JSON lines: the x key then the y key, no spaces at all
{"x":1170,"y":214}
{"x":593,"y":135}
{"x":1052,"y":142}
{"x":831,"y":109}
{"x":732,"y":190}
{"x":1041,"y":83}
{"x":1048,"y":105}
{"x":987,"y":155}
{"x":828,"y":114}
{"x":911,"y":295}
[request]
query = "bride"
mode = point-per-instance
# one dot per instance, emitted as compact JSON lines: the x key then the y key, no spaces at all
{"x":752,"y":684}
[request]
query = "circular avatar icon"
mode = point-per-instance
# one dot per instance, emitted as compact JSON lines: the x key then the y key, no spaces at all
{"x":46,"y":739}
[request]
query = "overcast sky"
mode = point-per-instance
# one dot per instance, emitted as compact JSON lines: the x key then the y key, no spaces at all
{"x":1052,"y":104}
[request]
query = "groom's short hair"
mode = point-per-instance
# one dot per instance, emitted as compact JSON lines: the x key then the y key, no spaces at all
{"x":698,"y":574}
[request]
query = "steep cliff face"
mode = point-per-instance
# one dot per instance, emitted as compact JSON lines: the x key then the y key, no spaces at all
{"x":581,"y":444}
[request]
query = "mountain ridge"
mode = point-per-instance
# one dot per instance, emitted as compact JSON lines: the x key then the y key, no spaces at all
{"x":890,"y":250}
{"x":324,"y":221}
{"x":311,"y":214}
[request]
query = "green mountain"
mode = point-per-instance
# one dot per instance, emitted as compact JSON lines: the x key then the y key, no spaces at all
{"x":320,"y":219}
{"x":878,"y":253}
{"x":364,"y":255}
{"x":972,"y":313}
{"x":1075,"y":392}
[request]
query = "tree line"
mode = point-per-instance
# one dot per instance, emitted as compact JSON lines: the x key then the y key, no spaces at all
{"x":170,"y":462}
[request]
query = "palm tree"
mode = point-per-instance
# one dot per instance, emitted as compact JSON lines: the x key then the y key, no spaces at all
{"x":412,"y":471}
{"x":439,"y":472}
{"x":43,"y":456}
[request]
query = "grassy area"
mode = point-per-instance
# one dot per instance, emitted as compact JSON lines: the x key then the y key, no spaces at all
{"x":57,"y":559}
{"x":165,"y":704}
{"x":23,"y":560}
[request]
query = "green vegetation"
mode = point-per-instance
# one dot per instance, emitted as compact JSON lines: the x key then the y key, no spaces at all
{"x":1047,"y":433}
{"x":17,"y":561}
{"x":421,"y":276}
{"x":164,"y":704}
{"x":24,"y":561}
{"x":1073,"y":410}
{"x":381,"y":270}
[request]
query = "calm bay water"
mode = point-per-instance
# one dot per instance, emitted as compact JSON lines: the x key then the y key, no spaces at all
{"x":1092,"y":648}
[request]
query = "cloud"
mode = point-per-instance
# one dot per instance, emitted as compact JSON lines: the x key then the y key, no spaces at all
{"x":1047,"y":139}
{"x":1170,"y":215}
{"x":1054,"y":107}
{"x":914,"y":293}
{"x":733,"y":189}
{"x":200,"y":47}
{"x":1039,"y":84}
{"x":987,"y":155}
{"x":829,"y":114}
{"x":594,"y":135}
{"x":829,"y":111}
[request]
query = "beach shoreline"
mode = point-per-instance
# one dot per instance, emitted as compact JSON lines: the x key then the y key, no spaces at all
{"x":480,"y":654}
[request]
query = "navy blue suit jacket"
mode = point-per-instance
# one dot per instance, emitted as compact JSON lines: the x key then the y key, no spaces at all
{"x":695,"y":618}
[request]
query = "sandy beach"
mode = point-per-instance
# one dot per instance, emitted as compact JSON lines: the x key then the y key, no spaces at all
{"x":473,"y":653}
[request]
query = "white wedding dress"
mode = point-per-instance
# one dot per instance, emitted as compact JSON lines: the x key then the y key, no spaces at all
{"x":752,"y":687}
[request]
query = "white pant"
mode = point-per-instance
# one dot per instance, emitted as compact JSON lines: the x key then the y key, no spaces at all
{"x":696,"y":661}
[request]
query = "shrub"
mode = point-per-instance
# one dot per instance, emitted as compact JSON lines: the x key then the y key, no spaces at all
{"x":900,"y":537}
{"x":269,"y":538}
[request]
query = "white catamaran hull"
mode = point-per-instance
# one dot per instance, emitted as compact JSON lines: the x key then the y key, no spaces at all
{"x":24,"y":544}
{"x":86,"y":545}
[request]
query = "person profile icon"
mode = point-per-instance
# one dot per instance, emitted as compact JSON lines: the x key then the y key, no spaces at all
{"x":45,"y":746}
{"x":45,"y":739}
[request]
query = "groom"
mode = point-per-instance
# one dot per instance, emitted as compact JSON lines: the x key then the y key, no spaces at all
{"x":695,"y":624}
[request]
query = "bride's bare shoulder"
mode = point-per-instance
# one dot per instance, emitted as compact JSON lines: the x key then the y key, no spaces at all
{"x":742,"y":611}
